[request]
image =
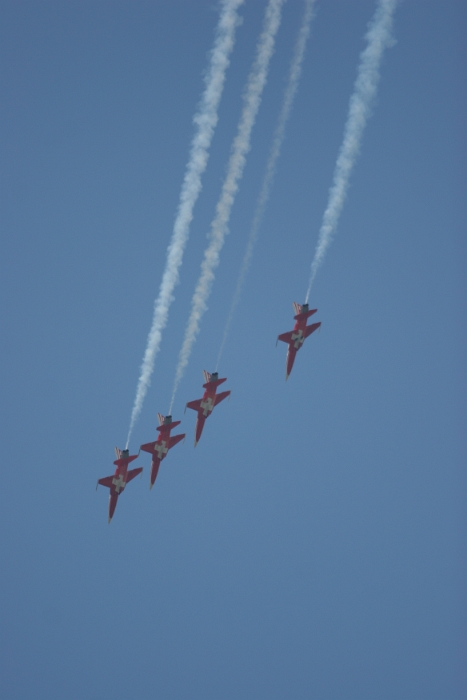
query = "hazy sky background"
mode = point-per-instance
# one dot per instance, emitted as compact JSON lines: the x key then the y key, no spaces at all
{"x":313,"y":545}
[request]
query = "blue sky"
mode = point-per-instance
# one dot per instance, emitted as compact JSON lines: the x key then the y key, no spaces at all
{"x":313,"y":545}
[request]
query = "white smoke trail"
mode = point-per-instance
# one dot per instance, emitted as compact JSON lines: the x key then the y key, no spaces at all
{"x":289,"y":96}
{"x":240,"y":147}
{"x":205,"y":122}
{"x":378,"y":38}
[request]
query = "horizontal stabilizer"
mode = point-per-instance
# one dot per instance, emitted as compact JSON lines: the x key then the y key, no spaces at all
{"x":212,"y":383}
{"x":212,"y":379}
{"x":168,"y":426}
{"x":305,"y":315}
{"x":125,"y":460}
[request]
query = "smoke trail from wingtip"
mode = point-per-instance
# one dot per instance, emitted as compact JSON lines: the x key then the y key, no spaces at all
{"x":278,"y":138}
{"x":205,"y":121}
{"x":378,"y":38}
{"x":241,"y":146}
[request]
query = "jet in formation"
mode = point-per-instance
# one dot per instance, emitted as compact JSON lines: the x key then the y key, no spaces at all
{"x":120,"y":479}
{"x":205,"y":406}
{"x":162,"y":445}
{"x":296,"y":338}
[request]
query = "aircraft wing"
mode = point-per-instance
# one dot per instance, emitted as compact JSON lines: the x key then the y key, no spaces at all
{"x":308,"y":330}
{"x":220,"y":397}
{"x":176,"y":438}
{"x":286,"y":337}
{"x":106,"y":481}
{"x":195,"y":405}
{"x":132,"y":473}
{"x":148,"y":447}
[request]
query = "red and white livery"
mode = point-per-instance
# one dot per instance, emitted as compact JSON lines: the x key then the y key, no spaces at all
{"x":162,"y":445}
{"x":205,"y":406}
{"x":296,"y":338}
{"x":120,"y":479}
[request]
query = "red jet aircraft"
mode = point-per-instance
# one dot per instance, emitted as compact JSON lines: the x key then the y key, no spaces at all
{"x":296,"y":338}
{"x":162,"y":445}
{"x":120,"y":479}
{"x":210,"y":399}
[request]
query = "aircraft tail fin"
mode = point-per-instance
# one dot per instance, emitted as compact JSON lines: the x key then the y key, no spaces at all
{"x":302,"y":310}
{"x":212,"y":379}
{"x":297,"y":308}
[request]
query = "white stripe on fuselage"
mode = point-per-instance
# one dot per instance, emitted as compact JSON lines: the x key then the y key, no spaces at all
{"x":119,"y":483}
{"x":298,"y":338}
{"x":207,"y":405}
{"x":161,"y":449}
